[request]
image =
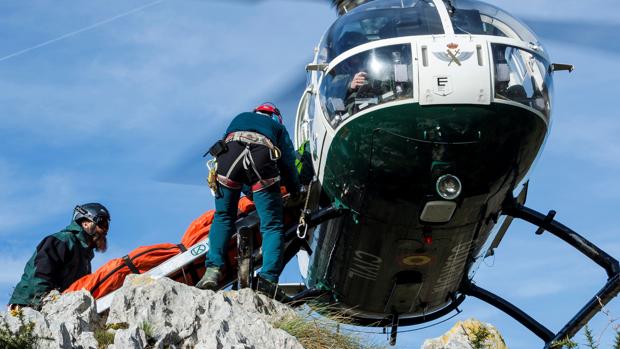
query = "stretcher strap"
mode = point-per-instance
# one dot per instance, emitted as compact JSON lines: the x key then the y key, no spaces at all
{"x":115,"y":270}
{"x":191,"y":267}
{"x":130,"y":264}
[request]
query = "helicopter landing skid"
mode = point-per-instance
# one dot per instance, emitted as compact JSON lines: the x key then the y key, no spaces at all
{"x":593,"y":306}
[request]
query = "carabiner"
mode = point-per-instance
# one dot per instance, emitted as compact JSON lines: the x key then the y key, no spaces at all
{"x":305,"y":232}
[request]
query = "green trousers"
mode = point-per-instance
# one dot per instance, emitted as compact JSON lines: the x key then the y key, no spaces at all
{"x":270,"y":211}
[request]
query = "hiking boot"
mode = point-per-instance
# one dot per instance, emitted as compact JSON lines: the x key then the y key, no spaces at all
{"x":270,"y":289}
{"x":211,"y":279}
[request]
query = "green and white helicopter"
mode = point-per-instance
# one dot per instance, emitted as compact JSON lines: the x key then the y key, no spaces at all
{"x":421,"y":120}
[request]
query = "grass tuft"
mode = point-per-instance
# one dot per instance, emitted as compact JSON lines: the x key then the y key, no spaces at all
{"x":104,"y":338}
{"x":320,"y":332}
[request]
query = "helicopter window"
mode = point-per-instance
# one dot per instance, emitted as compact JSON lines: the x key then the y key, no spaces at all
{"x":467,"y":22}
{"x":475,"y":17}
{"x":522,"y":77}
{"x":380,"y":19}
{"x":472,"y":22}
{"x":369,"y":78}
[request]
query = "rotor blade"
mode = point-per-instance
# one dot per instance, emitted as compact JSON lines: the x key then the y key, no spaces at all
{"x":598,"y":36}
{"x":190,"y":168}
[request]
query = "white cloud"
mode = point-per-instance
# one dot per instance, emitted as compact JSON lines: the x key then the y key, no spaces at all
{"x":537,"y":287}
{"x":26,"y":200}
{"x":165,"y":83}
{"x":594,"y":139}
{"x":12,"y":268}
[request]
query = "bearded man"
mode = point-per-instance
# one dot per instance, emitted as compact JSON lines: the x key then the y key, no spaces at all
{"x":63,"y":257}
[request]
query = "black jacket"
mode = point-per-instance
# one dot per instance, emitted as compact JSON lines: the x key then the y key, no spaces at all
{"x":58,"y":261}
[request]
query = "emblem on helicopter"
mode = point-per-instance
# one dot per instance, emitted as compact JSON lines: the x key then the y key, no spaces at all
{"x":454,"y":54}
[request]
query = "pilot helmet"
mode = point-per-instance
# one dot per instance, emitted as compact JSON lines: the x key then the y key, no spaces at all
{"x":271,"y":110}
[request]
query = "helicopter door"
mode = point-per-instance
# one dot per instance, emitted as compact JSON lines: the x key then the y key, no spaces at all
{"x":454,"y":71}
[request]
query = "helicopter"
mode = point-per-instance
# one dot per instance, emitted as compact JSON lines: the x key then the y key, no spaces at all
{"x":421,"y":120}
{"x":404,"y":199}
{"x":316,"y":184}
{"x":421,"y":158}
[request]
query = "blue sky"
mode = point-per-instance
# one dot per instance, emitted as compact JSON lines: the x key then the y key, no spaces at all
{"x":104,"y":114}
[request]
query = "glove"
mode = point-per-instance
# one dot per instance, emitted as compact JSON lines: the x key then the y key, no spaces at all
{"x":297,"y":197}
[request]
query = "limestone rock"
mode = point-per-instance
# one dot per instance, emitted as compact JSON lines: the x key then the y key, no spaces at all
{"x":183,"y":315}
{"x":72,"y":317}
{"x":158,"y":314}
{"x":40,"y":330}
{"x":131,"y":338}
{"x":461,"y":336}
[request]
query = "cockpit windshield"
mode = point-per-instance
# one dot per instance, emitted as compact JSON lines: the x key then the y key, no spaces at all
{"x":380,"y":19}
{"x":475,"y":17}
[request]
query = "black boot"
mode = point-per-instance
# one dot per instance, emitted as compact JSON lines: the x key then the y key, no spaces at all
{"x":269,"y":289}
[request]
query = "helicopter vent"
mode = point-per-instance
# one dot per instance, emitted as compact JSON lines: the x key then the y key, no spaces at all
{"x":344,"y":6}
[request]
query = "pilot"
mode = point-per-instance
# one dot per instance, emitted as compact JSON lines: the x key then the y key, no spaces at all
{"x":63,"y":257}
{"x":258,"y":153}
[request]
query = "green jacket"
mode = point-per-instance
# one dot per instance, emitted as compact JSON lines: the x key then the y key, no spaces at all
{"x":58,"y":261}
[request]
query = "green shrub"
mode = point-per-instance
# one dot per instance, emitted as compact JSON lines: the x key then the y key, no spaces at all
{"x":478,"y":337}
{"x":23,"y":339}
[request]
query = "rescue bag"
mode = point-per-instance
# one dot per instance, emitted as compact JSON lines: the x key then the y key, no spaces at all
{"x":110,"y":276}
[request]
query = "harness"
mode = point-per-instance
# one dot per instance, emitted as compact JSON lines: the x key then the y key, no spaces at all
{"x":246,"y":159}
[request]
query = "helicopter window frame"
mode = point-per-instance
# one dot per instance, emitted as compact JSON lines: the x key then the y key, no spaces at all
{"x":428,"y":17}
{"x":500,"y":26}
{"x":304,"y":116}
{"x":531,"y":71}
{"x":507,"y":23}
{"x":349,"y":107}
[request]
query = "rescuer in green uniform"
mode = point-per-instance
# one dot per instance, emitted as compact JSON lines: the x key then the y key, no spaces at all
{"x":62,"y":258}
{"x":256,"y":152}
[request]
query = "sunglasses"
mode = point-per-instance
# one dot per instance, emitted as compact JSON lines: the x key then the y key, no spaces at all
{"x":102,"y":222}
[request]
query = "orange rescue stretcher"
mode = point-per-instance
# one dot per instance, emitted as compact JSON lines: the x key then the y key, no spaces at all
{"x":111,"y":275}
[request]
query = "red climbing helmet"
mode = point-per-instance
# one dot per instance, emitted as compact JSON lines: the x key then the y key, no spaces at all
{"x":270,"y":109}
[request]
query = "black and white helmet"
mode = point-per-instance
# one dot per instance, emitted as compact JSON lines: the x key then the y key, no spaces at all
{"x":94,"y":212}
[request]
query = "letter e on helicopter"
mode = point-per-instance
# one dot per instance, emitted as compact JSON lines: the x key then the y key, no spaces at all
{"x":442,"y":85}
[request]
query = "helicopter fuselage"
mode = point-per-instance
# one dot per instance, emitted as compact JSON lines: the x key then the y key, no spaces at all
{"x":465,"y":106}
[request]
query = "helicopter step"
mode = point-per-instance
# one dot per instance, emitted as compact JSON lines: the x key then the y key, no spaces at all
{"x":249,"y":255}
{"x":514,"y":209}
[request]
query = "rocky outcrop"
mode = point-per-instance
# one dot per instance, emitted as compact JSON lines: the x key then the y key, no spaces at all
{"x":468,"y":334}
{"x":165,"y":314}
{"x":180,"y":315}
{"x":158,"y":313}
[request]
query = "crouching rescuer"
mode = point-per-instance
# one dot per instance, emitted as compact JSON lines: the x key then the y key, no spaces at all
{"x":256,"y":153}
{"x":63,"y":257}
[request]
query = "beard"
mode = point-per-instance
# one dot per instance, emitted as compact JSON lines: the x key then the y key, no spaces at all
{"x":101,"y":242}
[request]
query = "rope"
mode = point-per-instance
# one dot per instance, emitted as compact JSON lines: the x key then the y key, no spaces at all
{"x":302,"y":219}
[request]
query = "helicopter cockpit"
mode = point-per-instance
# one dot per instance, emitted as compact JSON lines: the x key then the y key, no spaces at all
{"x":384,"y":41}
{"x":379,"y":20}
